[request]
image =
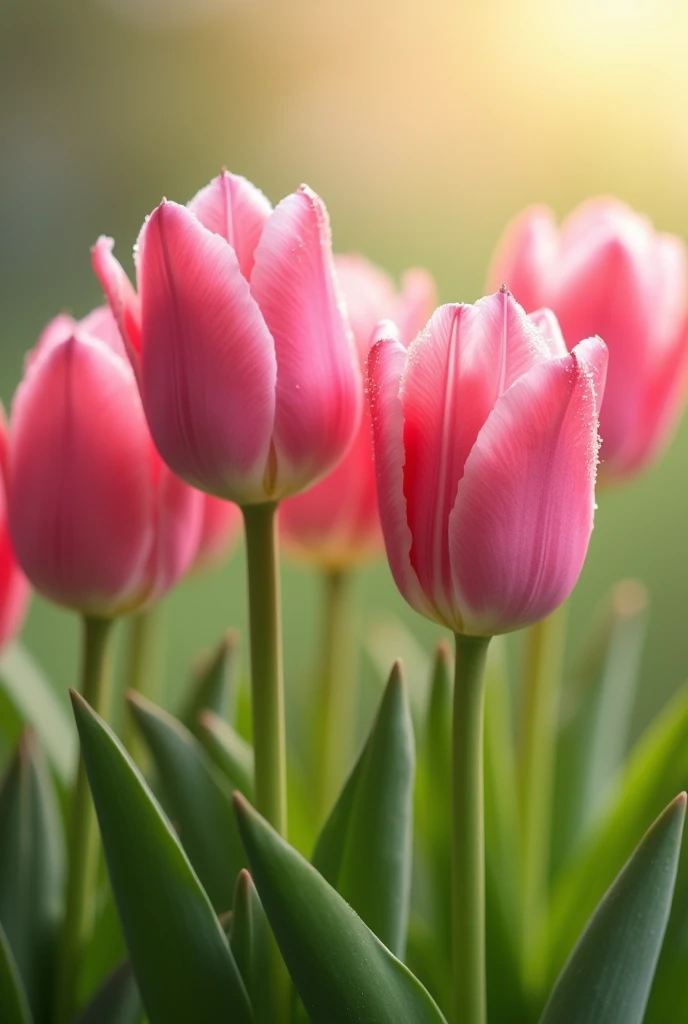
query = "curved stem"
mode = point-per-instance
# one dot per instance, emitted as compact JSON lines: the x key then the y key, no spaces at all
{"x":337,"y":693}
{"x":545,"y":648}
{"x":468,"y":832}
{"x":83,"y":830}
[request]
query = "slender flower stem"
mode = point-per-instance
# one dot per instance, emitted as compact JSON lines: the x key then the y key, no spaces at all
{"x":337,"y":693}
{"x":545,"y":648}
{"x":83,"y":830}
{"x":267,"y":694}
{"x":468,"y":832}
{"x":140,"y":674}
{"x":267,"y":686}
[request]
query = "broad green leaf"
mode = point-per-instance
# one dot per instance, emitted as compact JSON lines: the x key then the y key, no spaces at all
{"x":341,"y":970}
{"x":609,"y":974}
{"x":594,"y":737}
{"x":230,"y":751}
{"x":32,"y":863}
{"x":250,"y":942}
{"x":365,"y":850}
{"x":35,"y":701}
{"x":198,"y":797}
{"x":213,"y":684}
{"x":657,"y":769}
{"x":14,"y":1006}
{"x":117,"y":1001}
{"x":180,"y":954}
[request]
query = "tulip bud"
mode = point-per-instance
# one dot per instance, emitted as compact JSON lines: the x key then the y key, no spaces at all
{"x":336,"y":523}
{"x":608,"y":272}
{"x":14,"y":587}
{"x":245,"y":363}
{"x":485,"y":437}
{"x":98,"y":521}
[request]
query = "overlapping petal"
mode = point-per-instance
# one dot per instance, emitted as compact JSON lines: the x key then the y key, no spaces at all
{"x":232,"y":207}
{"x":525,"y":256}
{"x":121,"y":297}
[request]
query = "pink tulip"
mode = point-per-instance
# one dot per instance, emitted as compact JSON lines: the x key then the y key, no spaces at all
{"x":608,"y":272}
{"x":336,"y":522}
{"x":220,"y":528}
{"x":14,"y":587}
{"x":485,"y":437}
{"x":245,"y":362}
{"x":98,"y":521}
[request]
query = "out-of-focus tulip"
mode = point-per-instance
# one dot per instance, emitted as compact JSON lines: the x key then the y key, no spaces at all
{"x":608,"y":272}
{"x":98,"y":522}
{"x":485,"y":436}
{"x":14,"y":586}
{"x":220,"y":528}
{"x":245,"y":363}
{"x":336,"y":523}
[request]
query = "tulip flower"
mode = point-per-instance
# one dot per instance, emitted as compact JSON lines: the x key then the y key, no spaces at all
{"x":220,"y":528}
{"x":608,"y":272}
{"x":485,"y":436}
{"x":246,"y":366}
{"x":335,"y":523}
{"x":98,"y":522}
{"x":14,"y":587}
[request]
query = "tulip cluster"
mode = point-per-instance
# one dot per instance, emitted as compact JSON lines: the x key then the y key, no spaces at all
{"x":250,"y":375}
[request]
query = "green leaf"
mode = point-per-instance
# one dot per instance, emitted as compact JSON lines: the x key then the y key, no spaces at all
{"x":657,"y":769}
{"x":250,"y":942}
{"x":34,"y":699}
{"x":180,"y":954}
{"x":594,"y":738}
{"x":117,"y":1001}
{"x":229,"y":751}
{"x":365,"y":849}
{"x":32,"y":863}
{"x":198,"y":797}
{"x":14,"y":1006}
{"x":213,"y":683}
{"x":341,"y":970}
{"x":609,"y":974}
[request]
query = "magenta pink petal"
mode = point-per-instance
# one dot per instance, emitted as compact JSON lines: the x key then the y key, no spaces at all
{"x":80,"y":496}
{"x":386,"y":363}
{"x":208,"y":362}
{"x":177,"y":529}
{"x":319,"y":393}
{"x":101,"y":324}
{"x":221,"y":526}
{"x":121,"y":297}
{"x":232,"y":207}
{"x":524,"y":511}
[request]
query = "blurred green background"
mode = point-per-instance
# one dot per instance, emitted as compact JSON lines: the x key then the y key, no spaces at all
{"x":423,"y":126}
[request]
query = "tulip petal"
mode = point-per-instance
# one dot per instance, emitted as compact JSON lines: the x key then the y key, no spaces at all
{"x":368,"y":294}
{"x":178,"y":517}
{"x":524,"y":257}
{"x":415,"y":304}
{"x":457,"y":368}
{"x":319,"y":392}
{"x":121,"y":297}
{"x":232,"y":207}
{"x":208,"y":363}
{"x":548,"y":325}
{"x":386,"y":363}
{"x":80,"y":498}
{"x":101,"y":324}
{"x":220,"y":528}
{"x":520,"y":528}
{"x":14,"y":587}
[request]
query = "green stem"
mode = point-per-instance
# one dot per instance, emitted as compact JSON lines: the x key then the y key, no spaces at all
{"x":337,"y":694}
{"x":141,"y":675}
{"x":83,"y":830}
{"x":545,"y":648}
{"x":468,"y":832}
{"x":267,"y":687}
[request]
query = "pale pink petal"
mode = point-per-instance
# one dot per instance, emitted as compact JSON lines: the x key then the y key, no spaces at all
{"x":80,"y":495}
{"x":208,"y":362}
{"x":457,"y":368}
{"x":524,"y":510}
{"x":369,"y":296}
{"x":121,"y":297}
{"x":319,"y":390}
{"x":234,"y":208}
{"x":386,"y":363}
{"x":524,"y":258}
{"x":177,"y":529}
{"x":101,"y":324}
{"x":548,"y":325}
{"x":415,"y":303}
{"x":220,"y":529}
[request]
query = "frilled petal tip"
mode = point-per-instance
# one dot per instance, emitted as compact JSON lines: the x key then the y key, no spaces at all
{"x":524,"y":511}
